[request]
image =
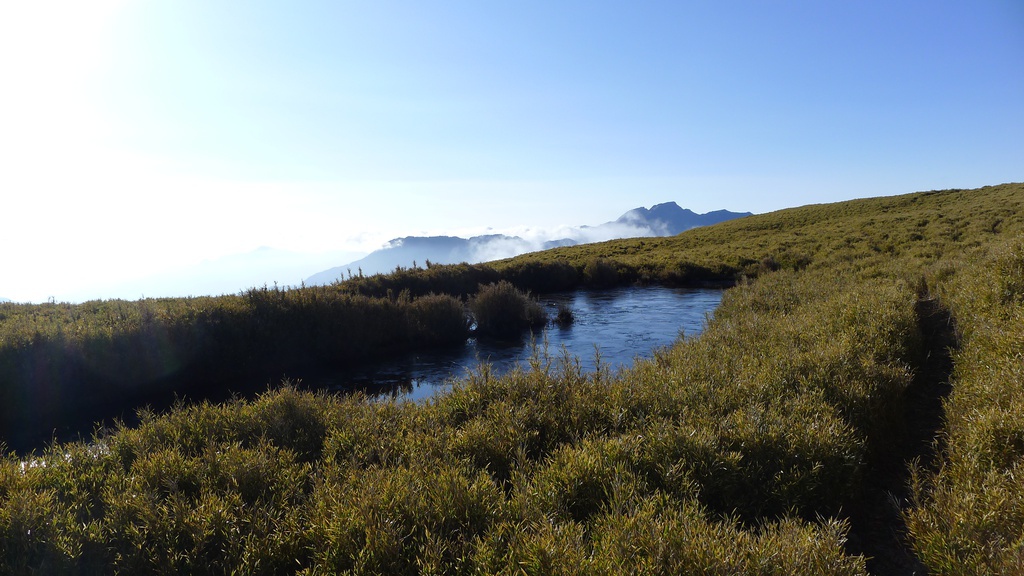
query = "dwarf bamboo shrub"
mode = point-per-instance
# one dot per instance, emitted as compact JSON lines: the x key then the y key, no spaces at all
{"x":438,"y":319}
{"x":503,"y":310}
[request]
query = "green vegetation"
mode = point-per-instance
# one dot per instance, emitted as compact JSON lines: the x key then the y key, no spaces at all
{"x":502,"y":310}
{"x":60,"y":359}
{"x":969,"y":514}
{"x":748,"y":450}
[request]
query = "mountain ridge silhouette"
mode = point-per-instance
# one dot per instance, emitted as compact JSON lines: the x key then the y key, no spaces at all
{"x":665,"y":219}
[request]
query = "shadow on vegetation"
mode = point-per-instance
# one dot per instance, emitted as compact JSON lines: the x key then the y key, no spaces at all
{"x":877,"y":527}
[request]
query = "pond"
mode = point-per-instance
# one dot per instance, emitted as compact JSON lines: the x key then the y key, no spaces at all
{"x":621,"y":324}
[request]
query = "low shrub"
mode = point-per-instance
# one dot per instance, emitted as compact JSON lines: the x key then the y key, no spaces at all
{"x":437,"y":320}
{"x":564,"y":316}
{"x":502,"y":310}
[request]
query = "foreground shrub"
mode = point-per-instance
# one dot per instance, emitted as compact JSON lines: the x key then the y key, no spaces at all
{"x":402,"y":520}
{"x":653,"y":536}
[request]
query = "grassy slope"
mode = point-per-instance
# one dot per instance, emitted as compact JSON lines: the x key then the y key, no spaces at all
{"x":736,"y":452}
{"x":915,"y":228}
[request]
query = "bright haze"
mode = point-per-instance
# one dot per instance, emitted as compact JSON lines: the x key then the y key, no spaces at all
{"x":186,"y":147}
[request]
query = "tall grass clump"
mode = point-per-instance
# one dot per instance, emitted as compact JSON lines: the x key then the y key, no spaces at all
{"x":503,"y":310}
{"x":437,"y":319}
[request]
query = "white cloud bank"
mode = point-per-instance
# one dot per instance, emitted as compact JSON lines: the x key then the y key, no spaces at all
{"x":523,"y":240}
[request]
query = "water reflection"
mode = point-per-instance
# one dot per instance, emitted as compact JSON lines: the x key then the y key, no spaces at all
{"x":621,"y":323}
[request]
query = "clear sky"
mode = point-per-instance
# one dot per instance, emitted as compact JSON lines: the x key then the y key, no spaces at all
{"x":148,"y":147}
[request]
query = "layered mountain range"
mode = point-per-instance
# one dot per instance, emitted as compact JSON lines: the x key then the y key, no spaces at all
{"x":666,"y":219}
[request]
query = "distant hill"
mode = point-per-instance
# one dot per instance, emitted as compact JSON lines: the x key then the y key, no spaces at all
{"x":666,"y":219}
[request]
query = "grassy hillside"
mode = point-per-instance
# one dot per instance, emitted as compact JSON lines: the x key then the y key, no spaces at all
{"x":768,"y":445}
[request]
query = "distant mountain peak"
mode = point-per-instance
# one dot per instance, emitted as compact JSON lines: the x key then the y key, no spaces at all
{"x":669,"y":219}
{"x":665,"y":206}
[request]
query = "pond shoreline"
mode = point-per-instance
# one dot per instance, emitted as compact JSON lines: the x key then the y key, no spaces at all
{"x":619,"y":321}
{"x":388,"y":374}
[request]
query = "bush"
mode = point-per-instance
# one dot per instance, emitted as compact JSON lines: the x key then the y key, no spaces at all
{"x":438,"y":319}
{"x":565,"y":316}
{"x":503,"y":310}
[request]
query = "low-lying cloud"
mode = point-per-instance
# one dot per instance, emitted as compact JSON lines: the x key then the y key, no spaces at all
{"x":516,"y":242}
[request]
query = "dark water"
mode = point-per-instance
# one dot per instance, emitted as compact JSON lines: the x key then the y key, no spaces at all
{"x":622,"y":324}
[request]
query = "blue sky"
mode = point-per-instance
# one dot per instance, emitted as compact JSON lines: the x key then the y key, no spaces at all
{"x":164,"y":147}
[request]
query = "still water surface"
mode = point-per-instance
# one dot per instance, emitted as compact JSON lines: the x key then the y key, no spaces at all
{"x":621,"y":323}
